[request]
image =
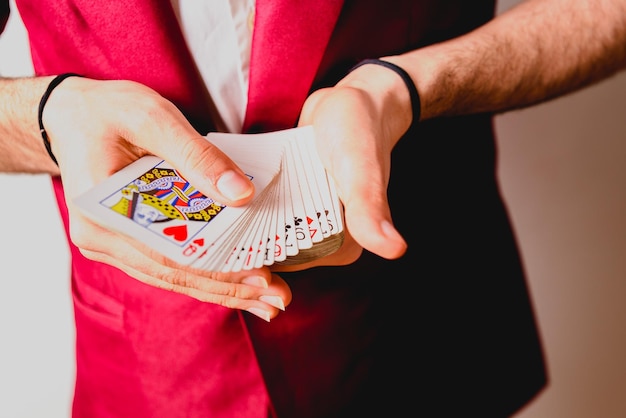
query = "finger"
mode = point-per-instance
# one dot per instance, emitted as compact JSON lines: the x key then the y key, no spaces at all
{"x":137,"y":121}
{"x":366,"y":209}
{"x":362,"y":181}
{"x":355,"y":149}
{"x":372,"y":226}
{"x":210,"y":170}
{"x":229,"y":295}
{"x":203,"y":164}
{"x":266,"y":303}
{"x":150,"y":267}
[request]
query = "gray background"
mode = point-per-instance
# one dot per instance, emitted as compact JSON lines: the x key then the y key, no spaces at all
{"x":562,"y":174}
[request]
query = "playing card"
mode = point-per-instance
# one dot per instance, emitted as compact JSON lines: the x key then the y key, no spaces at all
{"x":331,"y":212}
{"x":295,"y":215}
{"x":308,"y":170}
{"x":150,"y":201}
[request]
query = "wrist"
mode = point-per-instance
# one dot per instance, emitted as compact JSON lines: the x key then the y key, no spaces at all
{"x":389,"y":86}
{"x":42,"y":104}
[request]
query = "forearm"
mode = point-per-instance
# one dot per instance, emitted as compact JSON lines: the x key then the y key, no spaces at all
{"x":21,"y":146}
{"x":534,"y":52}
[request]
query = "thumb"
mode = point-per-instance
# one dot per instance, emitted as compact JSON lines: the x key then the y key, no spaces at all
{"x":207,"y":168}
{"x":368,"y":218}
{"x":357,"y":159}
{"x":215,"y":174}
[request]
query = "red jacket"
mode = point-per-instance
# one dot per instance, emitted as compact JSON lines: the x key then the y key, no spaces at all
{"x":354,"y":340}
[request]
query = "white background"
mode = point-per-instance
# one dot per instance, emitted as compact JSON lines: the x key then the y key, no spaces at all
{"x":563,"y":175}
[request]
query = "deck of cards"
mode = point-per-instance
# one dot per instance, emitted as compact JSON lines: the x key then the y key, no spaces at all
{"x":295,"y":216}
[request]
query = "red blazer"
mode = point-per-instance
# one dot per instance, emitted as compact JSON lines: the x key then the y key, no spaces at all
{"x":353,"y":341}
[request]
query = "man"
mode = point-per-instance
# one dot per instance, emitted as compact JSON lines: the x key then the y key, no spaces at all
{"x":433,"y":322}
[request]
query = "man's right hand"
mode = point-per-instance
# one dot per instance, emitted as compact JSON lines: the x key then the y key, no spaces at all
{"x":98,"y":127}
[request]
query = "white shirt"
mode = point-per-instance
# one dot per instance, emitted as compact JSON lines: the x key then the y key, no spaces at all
{"x":219,"y":35}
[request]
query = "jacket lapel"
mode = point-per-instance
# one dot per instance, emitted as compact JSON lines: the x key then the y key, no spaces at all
{"x":288,"y":43}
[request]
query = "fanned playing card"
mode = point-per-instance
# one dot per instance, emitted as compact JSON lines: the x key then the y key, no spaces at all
{"x":295,"y":215}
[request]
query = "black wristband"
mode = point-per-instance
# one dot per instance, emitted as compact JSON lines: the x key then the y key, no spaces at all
{"x":414,"y":95}
{"x":55,"y":82}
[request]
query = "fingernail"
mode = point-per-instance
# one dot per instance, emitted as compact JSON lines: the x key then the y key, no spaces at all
{"x":234,"y":186}
{"x":388,"y":229}
{"x":261,"y":313}
{"x":257,"y":281}
{"x":275,"y":301}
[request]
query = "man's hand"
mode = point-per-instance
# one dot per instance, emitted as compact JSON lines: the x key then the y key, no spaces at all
{"x":98,"y":127}
{"x":357,"y":123}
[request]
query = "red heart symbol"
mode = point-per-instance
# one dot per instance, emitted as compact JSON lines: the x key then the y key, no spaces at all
{"x":179,"y":233}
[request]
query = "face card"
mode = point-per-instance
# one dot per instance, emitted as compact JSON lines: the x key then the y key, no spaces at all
{"x":151,"y":202}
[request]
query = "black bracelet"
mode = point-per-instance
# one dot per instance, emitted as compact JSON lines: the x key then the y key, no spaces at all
{"x":415,"y":97}
{"x":55,"y":82}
